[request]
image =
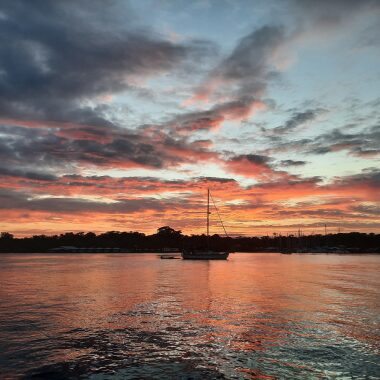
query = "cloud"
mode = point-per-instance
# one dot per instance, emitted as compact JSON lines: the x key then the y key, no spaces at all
{"x":55,"y":55}
{"x":367,"y":209}
{"x":248,"y":68}
{"x":367,"y":179}
{"x":213,"y":118}
{"x":75,"y":194}
{"x":254,"y":166}
{"x":57,"y":59}
{"x":260,"y":56}
{"x":292,"y":163}
{"x":19,"y":200}
{"x":363,"y":144}
{"x":101,"y":199}
{"x":32,"y":175}
{"x":331,"y":14}
{"x":250,"y":62}
{"x":68,"y":146}
{"x":298,"y":119}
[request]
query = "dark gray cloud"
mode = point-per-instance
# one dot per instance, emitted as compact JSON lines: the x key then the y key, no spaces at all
{"x":292,"y":163}
{"x":249,"y":67}
{"x":369,"y":178}
{"x":254,"y":165}
{"x":331,"y":13}
{"x":298,"y":119}
{"x":257,"y":159}
{"x":23,"y":148}
{"x":362,"y":144}
{"x":53,"y":54}
{"x":214,"y":179}
{"x":250,"y":63}
{"x":370,"y":37}
{"x":57,"y":55}
{"x":31,"y":175}
{"x":367,"y":209}
{"x":323,"y":213}
{"x":73,"y":184}
{"x":244,"y":75}
{"x":13,"y":200}
{"x":289,"y":183}
{"x":366,"y":184}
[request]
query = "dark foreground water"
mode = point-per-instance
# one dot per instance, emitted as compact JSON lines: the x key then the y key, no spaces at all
{"x":134,"y":316}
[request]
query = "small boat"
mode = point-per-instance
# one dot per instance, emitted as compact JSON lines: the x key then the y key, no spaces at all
{"x":207,"y":254}
{"x":204,"y":255}
{"x":169,"y":257}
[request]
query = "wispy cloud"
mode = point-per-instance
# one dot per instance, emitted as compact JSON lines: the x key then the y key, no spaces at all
{"x":298,"y":119}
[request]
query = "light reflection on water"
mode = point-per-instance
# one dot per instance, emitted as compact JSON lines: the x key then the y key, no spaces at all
{"x":255,"y":316}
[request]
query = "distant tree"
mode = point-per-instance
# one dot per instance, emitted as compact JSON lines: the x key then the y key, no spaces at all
{"x":168,"y":231}
{"x":167,"y":237}
{"x":6,"y":236}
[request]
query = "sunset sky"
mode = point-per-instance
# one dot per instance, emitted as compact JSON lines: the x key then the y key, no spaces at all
{"x":118,"y":115}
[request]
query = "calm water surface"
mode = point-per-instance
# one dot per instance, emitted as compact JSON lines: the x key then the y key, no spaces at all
{"x":134,"y":316}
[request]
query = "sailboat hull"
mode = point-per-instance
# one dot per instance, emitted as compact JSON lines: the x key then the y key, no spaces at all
{"x":204,"y":255}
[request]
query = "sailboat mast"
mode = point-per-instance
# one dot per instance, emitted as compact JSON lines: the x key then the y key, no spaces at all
{"x":208,"y":212}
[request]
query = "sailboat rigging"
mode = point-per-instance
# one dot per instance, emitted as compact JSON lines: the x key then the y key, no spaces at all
{"x":207,"y":254}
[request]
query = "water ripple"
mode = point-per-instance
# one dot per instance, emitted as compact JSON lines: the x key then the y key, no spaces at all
{"x":258,"y":316}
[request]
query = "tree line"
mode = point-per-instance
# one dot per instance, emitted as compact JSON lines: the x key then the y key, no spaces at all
{"x":169,"y":238}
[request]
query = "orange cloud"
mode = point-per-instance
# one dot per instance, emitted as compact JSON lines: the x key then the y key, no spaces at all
{"x":82,"y":203}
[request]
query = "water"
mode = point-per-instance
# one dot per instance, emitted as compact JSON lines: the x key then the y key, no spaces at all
{"x":134,"y":316}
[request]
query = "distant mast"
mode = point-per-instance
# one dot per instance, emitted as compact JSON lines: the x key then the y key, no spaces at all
{"x":207,"y":254}
{"x":208,"y":214}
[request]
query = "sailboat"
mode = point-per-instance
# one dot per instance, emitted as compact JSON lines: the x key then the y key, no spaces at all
{"x":206,"y":254}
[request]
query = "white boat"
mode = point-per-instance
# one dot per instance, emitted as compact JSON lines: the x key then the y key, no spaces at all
{"x":206,"y":254}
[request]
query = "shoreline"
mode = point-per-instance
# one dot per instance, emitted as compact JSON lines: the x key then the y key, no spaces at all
{"x":178,"y":253}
